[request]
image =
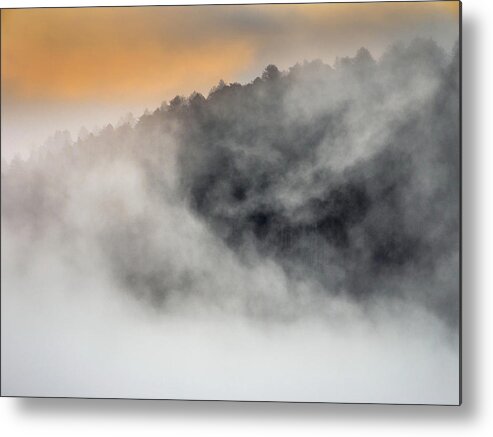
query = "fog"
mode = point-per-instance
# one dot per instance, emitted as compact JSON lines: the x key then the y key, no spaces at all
{"x":295,"y":238}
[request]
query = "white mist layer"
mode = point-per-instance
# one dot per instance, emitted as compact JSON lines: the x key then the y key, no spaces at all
{"x":71,"y":332}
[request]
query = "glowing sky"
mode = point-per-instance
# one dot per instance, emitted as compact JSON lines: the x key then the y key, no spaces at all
{"x":69,"y":67}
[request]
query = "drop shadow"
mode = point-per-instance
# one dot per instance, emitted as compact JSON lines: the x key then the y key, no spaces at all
{"x":470,"y":217}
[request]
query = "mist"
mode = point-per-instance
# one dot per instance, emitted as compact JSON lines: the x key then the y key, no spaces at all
{"x":293,"y":238}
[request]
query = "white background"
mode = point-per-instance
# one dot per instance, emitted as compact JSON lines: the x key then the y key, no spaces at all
{"x":78,"y":417}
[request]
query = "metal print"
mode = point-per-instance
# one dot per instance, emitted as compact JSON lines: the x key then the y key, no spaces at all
{"x":239,"y":202}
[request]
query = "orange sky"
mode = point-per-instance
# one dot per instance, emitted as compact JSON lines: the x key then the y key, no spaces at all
{"x":54,"y":59}
{"x":132,"y":53}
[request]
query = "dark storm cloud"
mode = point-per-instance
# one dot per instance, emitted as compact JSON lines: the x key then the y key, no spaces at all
{"x":371,"y":154}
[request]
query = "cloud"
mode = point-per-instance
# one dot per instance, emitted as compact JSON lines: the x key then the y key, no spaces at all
{"x":302,"y":226}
